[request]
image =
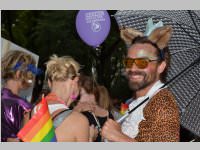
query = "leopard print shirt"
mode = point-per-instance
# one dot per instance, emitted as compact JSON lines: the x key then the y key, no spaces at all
{"x":162,"y":121}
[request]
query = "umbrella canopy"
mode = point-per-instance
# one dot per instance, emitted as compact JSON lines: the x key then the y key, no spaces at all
{"x":184,"y":70}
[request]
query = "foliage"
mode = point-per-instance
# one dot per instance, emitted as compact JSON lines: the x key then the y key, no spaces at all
{"x":50,"y":32}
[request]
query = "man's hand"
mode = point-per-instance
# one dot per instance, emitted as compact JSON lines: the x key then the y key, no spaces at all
{"x":112,"y":132}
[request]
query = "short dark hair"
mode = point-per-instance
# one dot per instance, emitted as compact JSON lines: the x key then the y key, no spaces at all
{"x":163,"y":54}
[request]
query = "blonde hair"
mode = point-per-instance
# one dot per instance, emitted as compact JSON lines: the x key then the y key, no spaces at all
{"x":61,"y":68}
{"x":8,"y":64}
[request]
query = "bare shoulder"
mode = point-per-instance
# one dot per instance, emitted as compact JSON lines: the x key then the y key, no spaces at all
{"x":78,"y":117}
{"x":75,"y":127}
{"x":75,"y":121}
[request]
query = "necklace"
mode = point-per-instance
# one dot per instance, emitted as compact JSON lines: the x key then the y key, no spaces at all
{"x":97,"y":121}
{"x":54,"y":97}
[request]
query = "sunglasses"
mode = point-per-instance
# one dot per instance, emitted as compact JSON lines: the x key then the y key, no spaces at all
{"x":141,"y":63}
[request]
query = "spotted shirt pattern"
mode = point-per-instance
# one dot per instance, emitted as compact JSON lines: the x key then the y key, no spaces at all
{"x":162,"y":120}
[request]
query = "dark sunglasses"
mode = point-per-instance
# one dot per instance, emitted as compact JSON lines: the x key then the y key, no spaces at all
{"x":141,"y":63}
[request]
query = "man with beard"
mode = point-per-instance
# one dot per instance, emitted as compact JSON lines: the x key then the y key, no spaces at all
{"x":156,"y":120}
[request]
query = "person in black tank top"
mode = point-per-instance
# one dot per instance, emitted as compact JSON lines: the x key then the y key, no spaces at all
{"x":94,"y":103}
{"x":92,"y":121}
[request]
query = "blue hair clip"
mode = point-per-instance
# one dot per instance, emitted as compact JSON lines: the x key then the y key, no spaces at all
{"x":18,"y":64}
{"x":151,"y":27}
{"x":30,"y":67}
{"x":34,"y":70}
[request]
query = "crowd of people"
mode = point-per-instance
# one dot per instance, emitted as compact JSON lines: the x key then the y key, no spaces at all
{"x":82,"y":110}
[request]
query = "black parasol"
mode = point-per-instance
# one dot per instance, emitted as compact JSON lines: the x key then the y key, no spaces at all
{"x":184,"y":70}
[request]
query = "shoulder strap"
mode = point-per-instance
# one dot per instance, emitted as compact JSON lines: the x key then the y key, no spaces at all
{"x":110,"y":115}
{"x":97,"y":121}
{"x":60,"y":117}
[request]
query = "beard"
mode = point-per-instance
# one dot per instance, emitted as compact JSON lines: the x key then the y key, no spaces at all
{"x":138,"y":85}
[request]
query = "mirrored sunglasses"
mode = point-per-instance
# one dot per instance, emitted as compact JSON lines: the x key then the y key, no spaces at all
{"x":141,"y":63}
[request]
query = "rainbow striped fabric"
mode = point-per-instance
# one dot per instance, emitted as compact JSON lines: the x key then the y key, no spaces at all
{"x":124,"y":108}
{"x":40,"y":126}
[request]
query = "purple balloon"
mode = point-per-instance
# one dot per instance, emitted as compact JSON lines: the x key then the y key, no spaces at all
{"x":93,"y":26}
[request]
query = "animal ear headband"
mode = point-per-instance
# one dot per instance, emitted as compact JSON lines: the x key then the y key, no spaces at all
{"x":156,"y":33}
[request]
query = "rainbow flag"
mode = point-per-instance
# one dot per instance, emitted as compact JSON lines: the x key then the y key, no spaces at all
{"x":40,"y":126}
{"x":124,"y":108}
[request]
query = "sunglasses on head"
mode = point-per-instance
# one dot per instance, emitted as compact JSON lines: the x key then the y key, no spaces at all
{"x":141,"y":63}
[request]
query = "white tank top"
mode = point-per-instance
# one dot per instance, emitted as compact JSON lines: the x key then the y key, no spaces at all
{"x":53,"y":107}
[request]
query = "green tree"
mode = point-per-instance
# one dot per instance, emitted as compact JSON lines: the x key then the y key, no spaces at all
{"x":54,"y":32}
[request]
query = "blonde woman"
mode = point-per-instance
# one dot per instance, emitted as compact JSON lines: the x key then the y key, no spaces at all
{"x":17,"y":71}
{"x":62,"y":75}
